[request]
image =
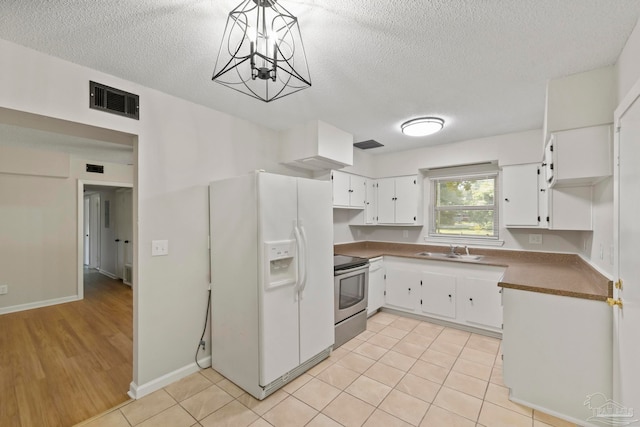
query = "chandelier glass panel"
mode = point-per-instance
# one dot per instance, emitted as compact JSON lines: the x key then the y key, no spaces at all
{"x":262,"y":54}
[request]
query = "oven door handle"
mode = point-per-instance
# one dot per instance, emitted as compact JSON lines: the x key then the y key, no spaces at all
{"x":305,"y":259}
{"x":351,"y":270}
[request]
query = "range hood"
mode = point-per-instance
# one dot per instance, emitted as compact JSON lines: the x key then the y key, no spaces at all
{"x":317,"y":145}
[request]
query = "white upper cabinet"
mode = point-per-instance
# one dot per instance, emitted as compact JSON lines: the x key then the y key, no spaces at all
{"x":579,"y":156}
{"x":371,"y":202}
{"x":398,"y":200}
{"x":348,"y":190}
{"x":528,"y":203}
{"x":520,"y":195}
{"x":317,"y":145}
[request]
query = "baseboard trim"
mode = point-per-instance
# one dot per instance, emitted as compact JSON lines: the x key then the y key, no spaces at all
{"x":38,"y":304}
{"x":138,"y":391}
{"x":551,"y":412}
{"x":109,"y":275}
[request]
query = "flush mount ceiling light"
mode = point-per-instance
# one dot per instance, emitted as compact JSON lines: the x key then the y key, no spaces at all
{"x":422,"y":126}
{"x":262,"y":54}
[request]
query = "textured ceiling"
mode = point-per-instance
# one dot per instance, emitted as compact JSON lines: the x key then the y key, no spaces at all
{"x":480,"y":64}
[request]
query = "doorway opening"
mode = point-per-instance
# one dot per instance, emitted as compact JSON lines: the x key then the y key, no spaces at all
{"x":106,"y":240}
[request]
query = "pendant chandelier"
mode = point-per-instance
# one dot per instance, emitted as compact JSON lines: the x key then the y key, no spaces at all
{"x":262,"y":54}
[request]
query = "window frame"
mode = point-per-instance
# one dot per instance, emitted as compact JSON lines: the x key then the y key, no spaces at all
{"x":434,"y":209}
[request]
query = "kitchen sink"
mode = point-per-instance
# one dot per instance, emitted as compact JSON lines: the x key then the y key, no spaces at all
{"x":449,"y":255}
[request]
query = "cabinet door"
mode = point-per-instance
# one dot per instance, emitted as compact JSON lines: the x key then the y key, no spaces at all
{"x":402,"y":288}
{"x":543,"y":199}
{"x":386,"y":201}
{"x":376,"y":287}
{"x":340,"y":188}
{"x":370,"y":206}
{"x":481,"y":302}
{"x":357,"y":191}
{"x":439,"y":294}
{"x":520,"y":191}
{"x":406,"y":200}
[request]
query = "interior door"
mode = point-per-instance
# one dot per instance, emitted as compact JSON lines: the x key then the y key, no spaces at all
{"x":315,"y":217}
{"x":627,"y":320}
{"x":86,"y":229}
{"x":279,"y":343}
{"x":94,"y":230}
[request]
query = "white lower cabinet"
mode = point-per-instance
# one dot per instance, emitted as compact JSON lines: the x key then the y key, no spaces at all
{"x":457,"y":292}
{"x":438,"y":294}
{"x":376,"y":285}
{"x":402,"y":287}
{"x":557,"y":354}
{"x":478,"y":299}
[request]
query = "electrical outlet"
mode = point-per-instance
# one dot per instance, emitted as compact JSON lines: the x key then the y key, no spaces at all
{"x":535,"y":239}
{"x":203,"y":344}
{"x":405,"y":233}
{"x":4,"y":289}
{"x":601,"y":251}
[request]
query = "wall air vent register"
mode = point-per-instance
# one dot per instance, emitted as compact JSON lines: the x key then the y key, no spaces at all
{"x":111,"y":100}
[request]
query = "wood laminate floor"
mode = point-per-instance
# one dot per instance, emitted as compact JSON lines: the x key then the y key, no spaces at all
{"x":62,"y":364}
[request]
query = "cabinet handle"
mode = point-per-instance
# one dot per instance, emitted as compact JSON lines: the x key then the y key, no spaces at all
{"x":471,"y":299}
{"x":506,"y":200}
{"x":544,"y":164}
{"x":543,"y":190}
{"x":117,"y":240}
{"x":449,"y":295}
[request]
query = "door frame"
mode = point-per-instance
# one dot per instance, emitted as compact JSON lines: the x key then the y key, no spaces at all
{"x":80,"y":226}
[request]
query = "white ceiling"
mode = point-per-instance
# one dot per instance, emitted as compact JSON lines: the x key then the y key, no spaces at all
{"x":479,"y":64}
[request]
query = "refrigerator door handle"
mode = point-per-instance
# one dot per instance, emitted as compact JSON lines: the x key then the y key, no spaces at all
{"x":305,"y":260}
{"x":299,"y":244}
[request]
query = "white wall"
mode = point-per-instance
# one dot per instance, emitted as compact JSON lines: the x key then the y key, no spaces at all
{"x":38,"y":214}
{"x":180,"y":147}
{"x":628,"y":65}
{"x":600,"y":242}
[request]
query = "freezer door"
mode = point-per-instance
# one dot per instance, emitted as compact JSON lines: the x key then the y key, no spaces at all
{"x":315,"y":219}
{"x":278,"y":305}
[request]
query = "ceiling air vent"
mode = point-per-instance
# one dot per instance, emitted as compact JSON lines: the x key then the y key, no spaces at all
{"x":365,"y":145}
{"x":113,"y":100}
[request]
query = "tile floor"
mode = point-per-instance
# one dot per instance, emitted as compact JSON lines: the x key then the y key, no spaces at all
{"x":399,"y":372}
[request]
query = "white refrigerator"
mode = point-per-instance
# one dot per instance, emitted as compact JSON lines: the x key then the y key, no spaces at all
{"x":272,"y":291}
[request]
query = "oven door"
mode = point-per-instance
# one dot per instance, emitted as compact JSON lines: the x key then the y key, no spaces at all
{"x":351,"y":291}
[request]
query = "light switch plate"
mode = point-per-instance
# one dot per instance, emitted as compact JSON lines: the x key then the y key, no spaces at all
{"x":4,"y":289}
{"x":159,"y":247}
{"x":535,"y":239}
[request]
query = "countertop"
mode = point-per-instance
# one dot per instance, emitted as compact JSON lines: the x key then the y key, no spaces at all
{"x":549,"y":273}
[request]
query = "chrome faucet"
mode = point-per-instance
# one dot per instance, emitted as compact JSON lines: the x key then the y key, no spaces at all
{"x":453,"y":250}
{"x":466,"y":248}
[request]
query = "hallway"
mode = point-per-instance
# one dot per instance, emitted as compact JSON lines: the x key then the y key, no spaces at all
{"x":62,"y":364}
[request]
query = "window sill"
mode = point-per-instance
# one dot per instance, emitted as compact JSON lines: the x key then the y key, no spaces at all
{"x":463,"y":241}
